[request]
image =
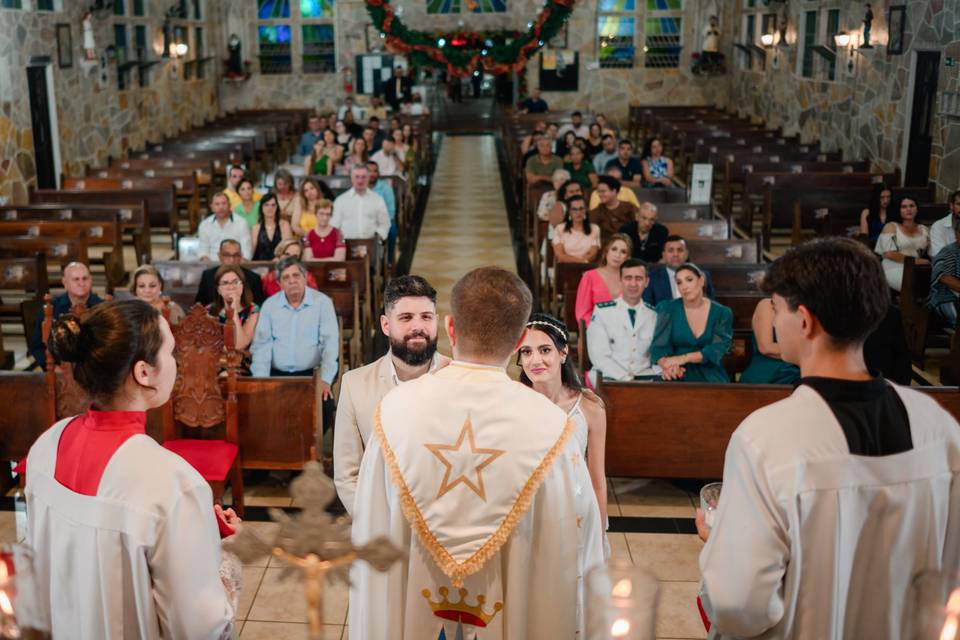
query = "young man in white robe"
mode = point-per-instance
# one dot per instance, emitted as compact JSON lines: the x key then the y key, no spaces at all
{"x":478,"y":478}
{"x":835,"y":498}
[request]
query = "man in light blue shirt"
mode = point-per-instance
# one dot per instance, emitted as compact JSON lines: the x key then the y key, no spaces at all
{"x":314,"y":133}
{"x":385,"y":189}
{"x":297,"y":331}
{"x":606,"y":154}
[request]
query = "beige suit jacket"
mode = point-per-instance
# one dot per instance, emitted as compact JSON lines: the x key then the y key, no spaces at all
{"x":361,"y":391}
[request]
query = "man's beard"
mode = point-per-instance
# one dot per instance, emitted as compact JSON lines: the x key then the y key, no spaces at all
{"x":414,"y":357}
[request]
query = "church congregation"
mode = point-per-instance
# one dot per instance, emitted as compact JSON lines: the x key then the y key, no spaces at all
{"x":638,"y":322}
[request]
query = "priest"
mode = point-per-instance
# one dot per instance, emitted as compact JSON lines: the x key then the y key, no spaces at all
{"x":479,"y":479}
{"x":835,"y":498}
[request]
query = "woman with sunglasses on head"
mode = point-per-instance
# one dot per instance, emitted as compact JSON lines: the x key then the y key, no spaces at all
{"x":693,"y":332}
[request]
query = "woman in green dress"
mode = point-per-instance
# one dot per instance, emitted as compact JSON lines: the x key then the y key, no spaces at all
{"x":693,"y":332}
{"x":766,"y":365}
{"x":247,"y":208}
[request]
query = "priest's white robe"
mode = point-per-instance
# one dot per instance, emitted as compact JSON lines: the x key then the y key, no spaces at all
{"x":810,"y":541}
{"x":141,"y":559}
{"x":514,"y":522}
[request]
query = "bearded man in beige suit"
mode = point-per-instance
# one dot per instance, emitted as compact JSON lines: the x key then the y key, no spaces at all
{"x":410,"y":323}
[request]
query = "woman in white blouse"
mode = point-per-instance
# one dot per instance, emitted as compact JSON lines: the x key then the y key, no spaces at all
{"x":576,"y":240}
{"x":899,"y":240}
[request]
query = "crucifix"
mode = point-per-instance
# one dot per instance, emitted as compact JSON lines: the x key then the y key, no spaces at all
{"x":314,"y":543}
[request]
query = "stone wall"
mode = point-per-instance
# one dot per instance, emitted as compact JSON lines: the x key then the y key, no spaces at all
{"x":863,"y":114}
{"x":95,"y":119}
{"x":613,"y":90}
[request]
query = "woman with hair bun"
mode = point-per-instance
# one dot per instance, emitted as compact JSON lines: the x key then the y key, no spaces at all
{"x":544,"y":357}
{"x":125,"y":542}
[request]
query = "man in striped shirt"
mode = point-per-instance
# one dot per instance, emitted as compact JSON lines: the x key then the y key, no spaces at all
{"x":945,"y":279}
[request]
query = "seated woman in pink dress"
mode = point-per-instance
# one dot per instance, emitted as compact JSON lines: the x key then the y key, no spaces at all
{"x":603,"y":283}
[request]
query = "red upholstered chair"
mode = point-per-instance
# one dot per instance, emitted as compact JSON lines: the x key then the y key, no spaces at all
{"x":204,"y":347}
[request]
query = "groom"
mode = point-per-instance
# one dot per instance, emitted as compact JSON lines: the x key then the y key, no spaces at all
{"x":476,"y":476}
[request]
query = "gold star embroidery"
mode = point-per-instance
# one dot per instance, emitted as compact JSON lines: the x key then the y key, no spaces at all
{"x":466,"y":433}
{"x":579,"y":522}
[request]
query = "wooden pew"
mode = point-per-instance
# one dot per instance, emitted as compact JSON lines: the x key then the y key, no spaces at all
{"x":725,"y":251}
{"x":60,"y":249}
{"x":280,"y":421}
{"x":132,"y":220}
{"x":25,"y":416}
{"x":681,"y":430}
{"x":106,"y":233}
{"x":23,"y":281}
{"x":184,"y":189}
{"x":160,"y":205}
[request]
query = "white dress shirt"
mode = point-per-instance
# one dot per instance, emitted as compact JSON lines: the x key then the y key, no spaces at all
{"x":387,"y":163}
{"x":941,"y":234}
{"x":360,"y":217}
{"x":211,"y":233}
{"x":583,"y":131}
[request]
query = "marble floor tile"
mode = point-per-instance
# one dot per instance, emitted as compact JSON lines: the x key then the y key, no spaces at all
{"x":266,"y":530}
{"x":669,"y":556}
{"x":252,"y":577}
{"x":677,"y":615}
{"x":652,"y":498}
{"x":619,"y":548}
{"x":282,"y":600}
{"x":257,"y":630}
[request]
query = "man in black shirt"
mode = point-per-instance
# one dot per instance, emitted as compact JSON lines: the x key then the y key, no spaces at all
{"x":647,"y":234}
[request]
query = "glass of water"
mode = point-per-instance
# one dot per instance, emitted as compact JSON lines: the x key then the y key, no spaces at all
{"x":709,"y":499}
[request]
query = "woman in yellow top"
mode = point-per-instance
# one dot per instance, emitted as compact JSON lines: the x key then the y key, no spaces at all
{"x":305,"y":216}
{"x":324,"y":157}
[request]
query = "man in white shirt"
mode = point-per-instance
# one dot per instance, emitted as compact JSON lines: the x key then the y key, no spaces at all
{"x":410,"y":323}
{"x":388,"y":159}
{"x":222,"y":225}
{"x":836,"y":498}
{"x":621,"y":330}
{"x":576,"y":125}
{"x":941,"y":231}
{"x":359,"y":213}
{"x":349,"y":106}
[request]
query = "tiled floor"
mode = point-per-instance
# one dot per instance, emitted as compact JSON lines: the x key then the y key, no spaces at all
{"x":274,"y":608}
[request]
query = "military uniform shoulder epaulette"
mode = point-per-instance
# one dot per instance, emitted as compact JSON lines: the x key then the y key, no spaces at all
{"x":604,"y":305}
{"x":649,"y":306}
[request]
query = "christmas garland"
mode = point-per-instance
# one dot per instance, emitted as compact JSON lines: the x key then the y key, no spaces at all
{"x":493,"y":52}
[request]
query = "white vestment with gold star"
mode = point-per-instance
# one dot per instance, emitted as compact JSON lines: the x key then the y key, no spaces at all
{"x":479,"y":478}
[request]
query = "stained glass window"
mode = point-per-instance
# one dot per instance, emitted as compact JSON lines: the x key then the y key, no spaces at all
{"x":664,"y":5}
{"x":198,"y":9}
{"x":443,"y":6}
{"x":273,"y":9}
{"x":45,"y":5}
{"x":617,"y":5}
{"x":663,"y":38}
{"x":486,"y":6}
{"x":316,"y":8}
{"x":833,"y":26}
{"x":10,"y":4}
{"x":138,"y":8}
{"x":120,"y":45}
{"x":616,"y":47}
{"x":318,"y":49}
{"x":275,"y":55}
{"x":118,"y":8}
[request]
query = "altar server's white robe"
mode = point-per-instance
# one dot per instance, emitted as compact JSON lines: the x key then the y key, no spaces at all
{"x":810,"y":541}
{"x":529,"y":577}
{"x":141,"y":559}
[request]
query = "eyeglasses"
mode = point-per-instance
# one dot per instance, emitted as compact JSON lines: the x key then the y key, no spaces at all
{"x":229,"y":283}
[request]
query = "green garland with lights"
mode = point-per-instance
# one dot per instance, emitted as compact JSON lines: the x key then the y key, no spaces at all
{"x":492,"y":52}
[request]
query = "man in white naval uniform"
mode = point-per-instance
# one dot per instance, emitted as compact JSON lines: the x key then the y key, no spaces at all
{"x":621,"y":330}
{"x":836,"y":498}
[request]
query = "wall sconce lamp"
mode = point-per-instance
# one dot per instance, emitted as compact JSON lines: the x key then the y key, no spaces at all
{"x":844,"y":40}
{"x":766,"y":39}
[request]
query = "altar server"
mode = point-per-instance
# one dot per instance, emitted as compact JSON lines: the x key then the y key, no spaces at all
{"x":835,"y":498}
{"x":123,"y":532}
{"x":480,"y":480}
